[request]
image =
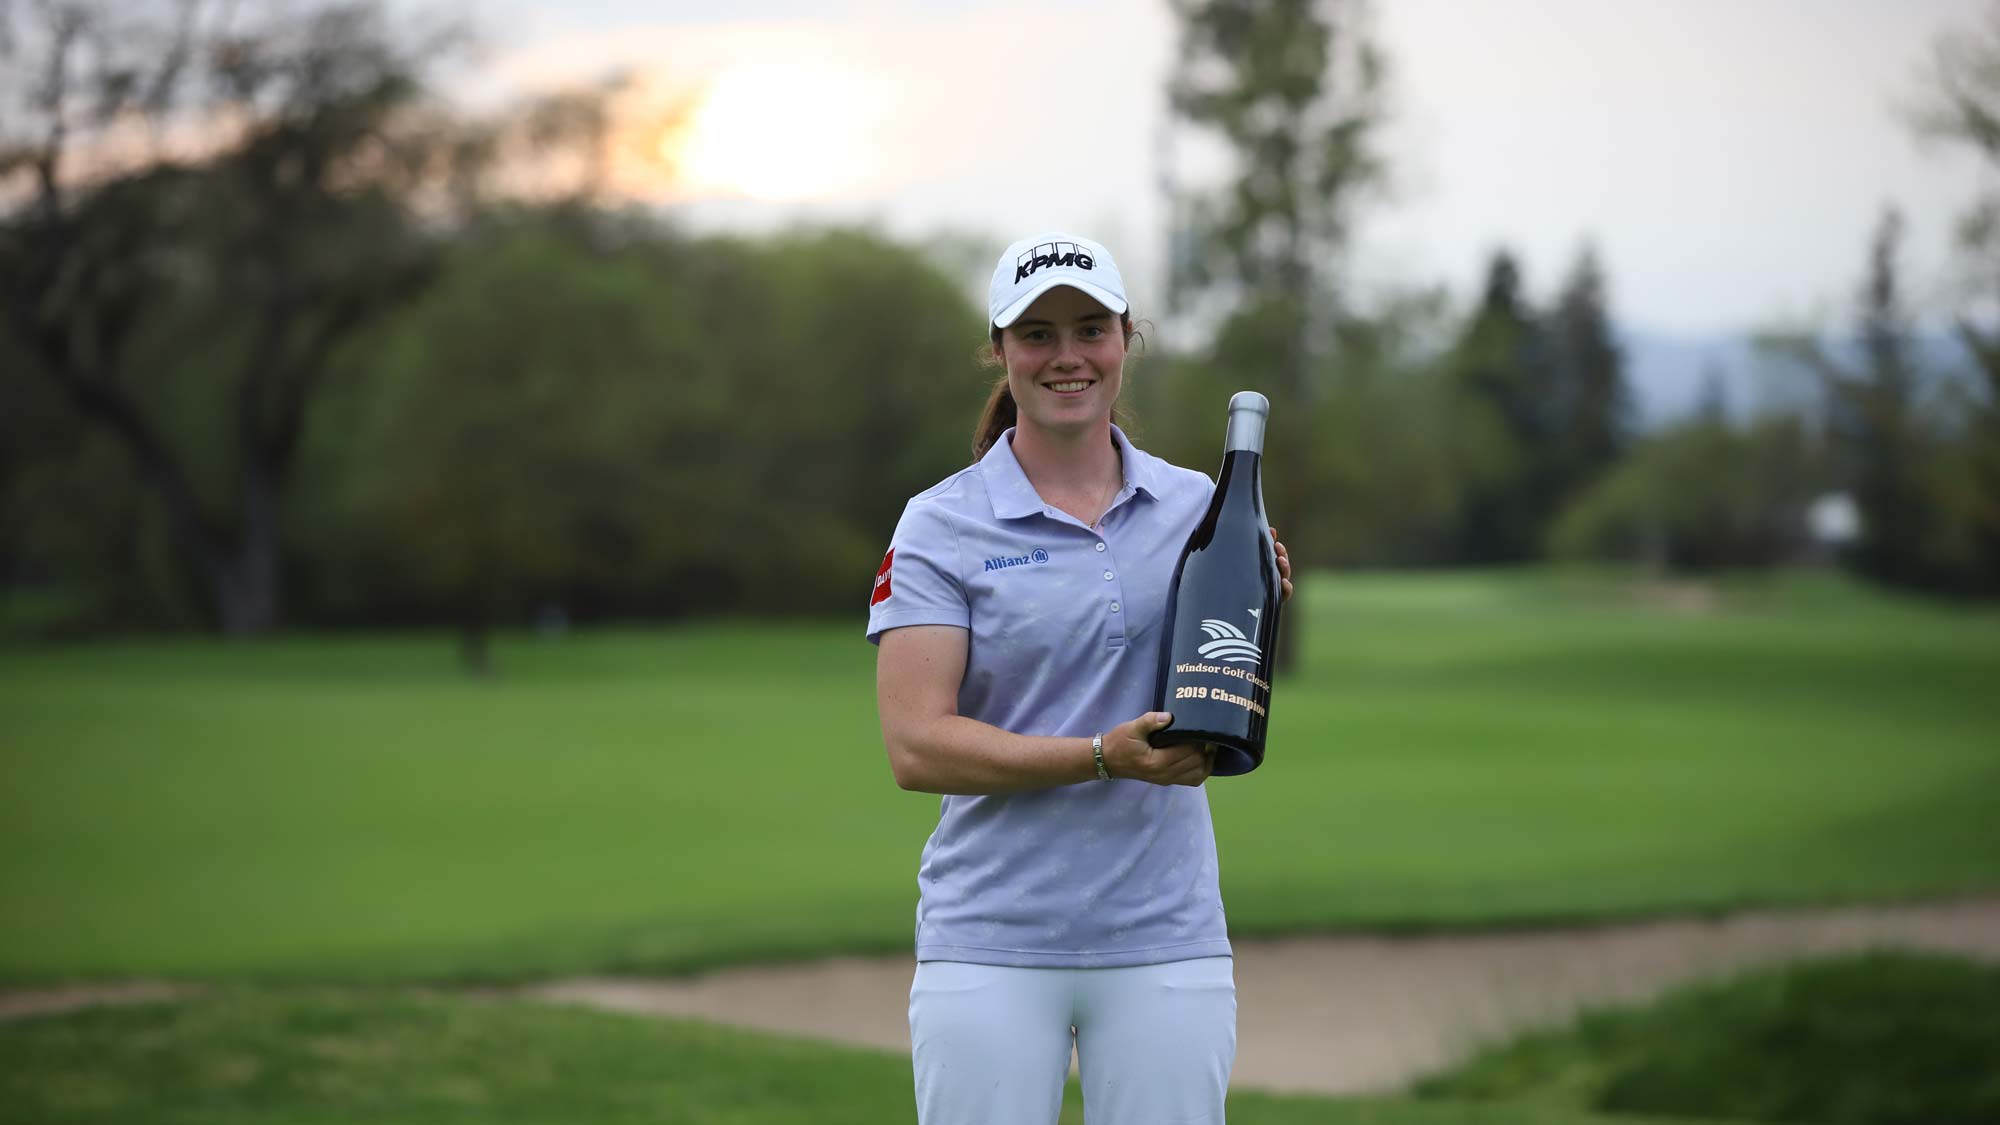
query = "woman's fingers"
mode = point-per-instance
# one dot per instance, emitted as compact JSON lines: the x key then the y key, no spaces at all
{"x":1180,"y":765}
{"x":1284,"y":565}
{"x":1183,"y":763}
{"x":1196,"y":768}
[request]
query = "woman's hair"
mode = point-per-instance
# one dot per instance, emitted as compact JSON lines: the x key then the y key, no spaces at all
{"x":1000,"y":411}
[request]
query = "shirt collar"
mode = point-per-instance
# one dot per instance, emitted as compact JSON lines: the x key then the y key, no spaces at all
{"x":1014,"y":497}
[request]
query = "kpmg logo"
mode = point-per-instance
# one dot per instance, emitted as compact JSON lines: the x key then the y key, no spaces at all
{"x":1052,"y":254}
{"x":1002,"y":562}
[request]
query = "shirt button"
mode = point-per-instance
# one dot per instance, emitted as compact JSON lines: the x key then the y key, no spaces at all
{"x":1100,"y":544}
{"x":1107,"y":576}
{"x":1114,"y":607}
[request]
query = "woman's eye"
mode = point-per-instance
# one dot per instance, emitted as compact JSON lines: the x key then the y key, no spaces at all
{"x":1092,"y":331}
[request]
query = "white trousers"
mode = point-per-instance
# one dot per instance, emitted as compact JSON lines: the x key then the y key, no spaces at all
{"x":1154,"y":1043}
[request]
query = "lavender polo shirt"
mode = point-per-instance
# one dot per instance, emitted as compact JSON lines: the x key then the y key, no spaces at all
{"x":1064,"y":626}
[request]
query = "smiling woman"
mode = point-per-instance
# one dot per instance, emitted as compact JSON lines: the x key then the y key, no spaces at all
{"x":772,"y":132}
{"x":1069,"y":901}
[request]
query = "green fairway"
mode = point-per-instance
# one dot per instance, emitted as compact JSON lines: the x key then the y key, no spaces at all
{"x":301,"y":1057}
{"x":1454,"y":750}
{"x":1882,"y":1039}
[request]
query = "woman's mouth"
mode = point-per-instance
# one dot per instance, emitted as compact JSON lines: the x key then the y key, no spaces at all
{"x":1068,"y":387}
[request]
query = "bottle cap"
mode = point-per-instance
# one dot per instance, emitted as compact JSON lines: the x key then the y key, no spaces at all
{"x":1248,"y":412}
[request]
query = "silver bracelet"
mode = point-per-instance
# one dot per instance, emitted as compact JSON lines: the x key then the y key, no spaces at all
{"x":1097,"y":752}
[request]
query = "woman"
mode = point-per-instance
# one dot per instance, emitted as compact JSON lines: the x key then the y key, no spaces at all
{"x":1069,"y":893}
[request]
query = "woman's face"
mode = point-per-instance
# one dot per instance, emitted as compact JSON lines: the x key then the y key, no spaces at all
{"x":1065,"y":361}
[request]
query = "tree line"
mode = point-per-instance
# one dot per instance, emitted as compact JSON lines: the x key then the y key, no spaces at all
{"x":1510,"y":437}
{"x":288,"y":341}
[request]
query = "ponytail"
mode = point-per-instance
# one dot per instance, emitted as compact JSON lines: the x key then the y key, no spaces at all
{"x":1000,"y":413}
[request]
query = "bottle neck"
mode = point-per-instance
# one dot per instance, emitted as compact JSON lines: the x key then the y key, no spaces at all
{"x":1246,"y":432}
{"x":1241,"y":471}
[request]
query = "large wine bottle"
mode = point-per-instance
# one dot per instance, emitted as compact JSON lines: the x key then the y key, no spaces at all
{"x":1222,"y":610}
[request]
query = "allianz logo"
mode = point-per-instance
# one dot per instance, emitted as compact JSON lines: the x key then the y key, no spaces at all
{"x":1002,"y":562}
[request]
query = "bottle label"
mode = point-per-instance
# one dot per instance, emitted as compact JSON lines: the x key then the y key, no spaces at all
{"x":1230,"y":654}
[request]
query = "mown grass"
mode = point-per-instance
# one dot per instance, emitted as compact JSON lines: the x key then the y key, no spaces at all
{"x":1454,"y":750}
{"x":316,"y":1057}
{"x":1883,"y":1039}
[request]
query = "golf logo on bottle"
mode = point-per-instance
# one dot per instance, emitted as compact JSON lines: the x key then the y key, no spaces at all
{"x":1227,"y":642}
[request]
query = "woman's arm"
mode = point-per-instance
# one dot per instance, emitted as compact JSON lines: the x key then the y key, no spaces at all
{"x":934,"y":749}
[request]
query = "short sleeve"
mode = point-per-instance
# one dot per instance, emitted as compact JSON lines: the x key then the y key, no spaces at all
{"x":918,"y":582}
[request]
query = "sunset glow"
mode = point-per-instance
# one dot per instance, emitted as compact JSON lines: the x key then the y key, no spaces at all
{"x":772,"y":132}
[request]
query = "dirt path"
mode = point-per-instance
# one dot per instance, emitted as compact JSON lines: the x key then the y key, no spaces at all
{"x":1338,"y":1014}
{"x":21,"y":1003}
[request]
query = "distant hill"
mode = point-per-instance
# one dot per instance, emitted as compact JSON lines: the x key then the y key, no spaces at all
{"x":1668,"y":372}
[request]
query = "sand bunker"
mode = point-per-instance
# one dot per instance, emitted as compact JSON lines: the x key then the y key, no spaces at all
{"x":1351,"y":1014}
{"x":1328,"y":1015}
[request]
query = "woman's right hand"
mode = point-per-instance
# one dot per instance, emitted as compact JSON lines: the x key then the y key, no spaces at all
{"x":1128,"y":754}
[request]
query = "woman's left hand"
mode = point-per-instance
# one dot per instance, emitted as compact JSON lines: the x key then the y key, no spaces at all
{"x":1284,"y":567}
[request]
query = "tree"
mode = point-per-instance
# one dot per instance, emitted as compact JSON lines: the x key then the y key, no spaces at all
{"x":592,"y":410}
{"x":198,"y":209}
{"x":1703,"y":495}
{"x":1883,"y":442}
{"x":1959,"y":104}
{"x":1711,"y":405}
{"x":1293,"y":89}
{"x":1382,"y":452}
{"x":1875,"y":415}
{"x":1591,"y":401}
{"x":1504,"y":424}
{"x":504,"y":456}
{"x":72,"y":532}
{"x":1873,"y":423}
{"x":1540,"y":409}
{"x":182,"y":193}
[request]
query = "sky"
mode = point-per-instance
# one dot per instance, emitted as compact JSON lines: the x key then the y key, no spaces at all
{"x":1728,"y":159}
